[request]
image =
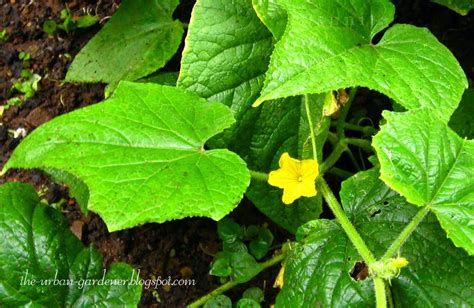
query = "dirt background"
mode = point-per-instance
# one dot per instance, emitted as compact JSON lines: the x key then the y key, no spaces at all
{"x":180,"y":249}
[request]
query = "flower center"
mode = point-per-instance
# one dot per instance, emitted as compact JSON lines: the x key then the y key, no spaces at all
{"x":300,"y":178}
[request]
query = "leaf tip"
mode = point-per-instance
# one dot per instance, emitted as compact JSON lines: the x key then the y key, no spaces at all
{"x":258,"y":102}
{"x":4,"y":170}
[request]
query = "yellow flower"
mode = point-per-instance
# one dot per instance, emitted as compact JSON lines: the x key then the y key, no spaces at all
{"x":295,"y":177}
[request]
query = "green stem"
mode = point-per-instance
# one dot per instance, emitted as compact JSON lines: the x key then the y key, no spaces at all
{"x":405,"y":234}
{"x":366,"y":130}
{"x":352,"y":158}
{"x":346,"y":225}
{"x":361,"y":143}
{"x":388,"y":291}
{"x":332,"y":159}
{"x":202,"y":300}
{"x":311,"y":127}
{"x":332,"y":138}
{"x":343,"y":115}
{"x":340,"y":172}
{"x":232,"y":283}
{"x":334,"y":205}
{"x":259,"y":176}
{"x":380,"y":296}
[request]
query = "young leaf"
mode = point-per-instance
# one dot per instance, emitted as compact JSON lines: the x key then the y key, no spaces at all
{"x":255,"y":294}
{"x":141,"y":155}
{"x":244,"y":267}
{"x":228,"y":230}
{"x":426,"y":162}
{"x":329,"y":45}
{"x":247,"y":303}
{"x":260,"y":246}
{"x":460,"y":6}
{"x":220,"y":301}
{"x":138,"y":40}
{"x":226,"y":54}
{"x":37,"y":245}
{"x":318,"y":271}
{"x":221,"y":265}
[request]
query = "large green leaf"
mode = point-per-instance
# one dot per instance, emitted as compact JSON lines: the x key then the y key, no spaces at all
{"x":460,"y":6}
{"x":226,"y":54}
{"x":317,"y":271}
{"x":37,"y":246}
{"x":141,"y":155}
{"x":329,"y":45}
{"x":426,"y":162}
{"x":138,"y":40}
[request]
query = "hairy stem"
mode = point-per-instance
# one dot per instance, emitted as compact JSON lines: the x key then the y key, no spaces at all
{"x":311,"y":127}
{"x":332,"y":159}
{"x":366,"y":130}
{"x":232,"y":283}
{"x":380,"y":295}
{"x":258,"y":176}
{"x":388,"y":291}
{"x":352,"y":158}
{"x":346,"y":225}
{"x":361,"y":143}
{"x":344,"y":174}
{"x":405,"y":234}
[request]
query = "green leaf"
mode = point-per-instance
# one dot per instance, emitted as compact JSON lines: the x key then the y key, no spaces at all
{"x":49,"y":26}
{"x":260,"y":246}
{"x":225,"y":58}
{"x":317,"y":271}
{"x":141,"y":155}
{"x":427,"y":163}
{"x":220,"y":301}
{"x":462,"y":120}
{"x":329,"y":45}
{"x":239,"y":264}
{"x":38,"y":255}
{"x":247,"y":303}
{"x":272,"y":15}
{"x":254,"y":293}
{"x":244,"y":267}
{"x":237,"y":246}
{"x":221,"y":265}
{"x":86,"y":21}
{"x":228,"y":230}
{"x":460,"y":6}
{"x":164,"y":78}
{"x":138,"y":40}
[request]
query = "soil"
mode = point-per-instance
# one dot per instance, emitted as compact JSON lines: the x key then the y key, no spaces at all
{"x":180,"y":249}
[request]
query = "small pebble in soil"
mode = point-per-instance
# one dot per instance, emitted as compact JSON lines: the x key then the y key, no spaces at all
{"x":19,"y":133}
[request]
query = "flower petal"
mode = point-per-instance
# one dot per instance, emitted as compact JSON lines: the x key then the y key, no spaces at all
{"x":281,"y":178}
{"x":291,"y":193}
{"x":309,"y":169}
{"x":308,"y":188}
{"x":290,"y":164}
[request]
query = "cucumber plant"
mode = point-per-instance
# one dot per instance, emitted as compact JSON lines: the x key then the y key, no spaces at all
{"x":259,"y":96}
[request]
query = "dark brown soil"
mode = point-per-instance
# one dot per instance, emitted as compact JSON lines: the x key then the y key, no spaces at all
{"x":180,"y":249}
